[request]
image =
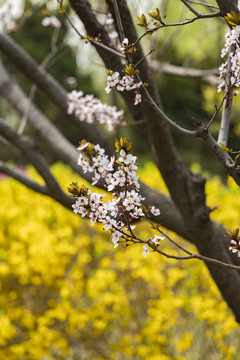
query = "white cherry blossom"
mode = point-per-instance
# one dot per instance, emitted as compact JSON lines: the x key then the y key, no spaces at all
{"x":146,"y":250}
{"x":156,"y":240}
{"x":154,"y":211}
{"x":51,"y":21}
{"x":88,"y":108}
{"x":124,"y":46}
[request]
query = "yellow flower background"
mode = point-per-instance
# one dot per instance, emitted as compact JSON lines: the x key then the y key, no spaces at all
{"x":67,"y":294}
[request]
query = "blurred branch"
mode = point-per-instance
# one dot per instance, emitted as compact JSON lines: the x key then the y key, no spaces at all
{"x":44,"y":65}
{"x":202,"y":4}
{"x":20,"y":176}
{"x":63,"y":149}
{"x":208,"y":76}
{"x":51,"y":88}
{"x":195,"y":12}
{"x":28,"y":148}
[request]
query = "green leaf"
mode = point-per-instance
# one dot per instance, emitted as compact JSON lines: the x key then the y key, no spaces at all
{"x":129,"y":70}
{"x":142,"y":21}
{"x":155,"y":15}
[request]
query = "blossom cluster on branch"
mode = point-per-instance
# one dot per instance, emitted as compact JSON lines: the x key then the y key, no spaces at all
{"x":90,"y":109}
{"x":118,"y":176}
{"x":232,"y":48}
{"x":128,"y":82}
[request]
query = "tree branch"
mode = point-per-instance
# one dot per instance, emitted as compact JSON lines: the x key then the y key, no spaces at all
{"x":227,"y":106}
{"x":63,"y":149}
{"x":20,"y":176}
{"x":27,"y":147}
{"x":44,"y":64}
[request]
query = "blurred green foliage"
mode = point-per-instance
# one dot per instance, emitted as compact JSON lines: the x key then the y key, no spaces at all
{"x":67,"y":294}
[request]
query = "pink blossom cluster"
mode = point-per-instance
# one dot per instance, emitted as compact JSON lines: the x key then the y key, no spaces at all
{"x":128,"y":83}
{"x":232,"y":39}
{"x":119,"y":177}
{"x":88,"y":108}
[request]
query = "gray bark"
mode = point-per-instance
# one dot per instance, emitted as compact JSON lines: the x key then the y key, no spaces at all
{"x":226,"y":6}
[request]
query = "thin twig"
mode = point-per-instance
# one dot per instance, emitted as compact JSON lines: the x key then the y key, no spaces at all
{"x":203,"y":4}
{"x":195,"y":12}
{"x":191,"y":255}
{"x":91,"y":40}
{"x":136,"y":240}
{"x":164,"y":116}
{"x":198,"y":17}
{"x":119,"y":21}
{"x":215,"y":113}
{"x":167,"y":237}
{"x":144,"y":57}
{"x":199,"y":257}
